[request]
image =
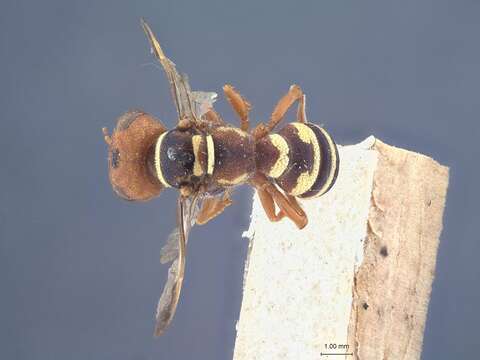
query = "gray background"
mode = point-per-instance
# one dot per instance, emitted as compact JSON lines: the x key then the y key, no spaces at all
{"x":79,"y":268}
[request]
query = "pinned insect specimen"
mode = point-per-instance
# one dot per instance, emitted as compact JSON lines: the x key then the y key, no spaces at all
{"x":205,"y":159}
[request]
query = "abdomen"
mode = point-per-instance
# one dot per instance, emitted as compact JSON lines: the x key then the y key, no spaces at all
{"x":301,"y":158}
{"x":234,"y":156}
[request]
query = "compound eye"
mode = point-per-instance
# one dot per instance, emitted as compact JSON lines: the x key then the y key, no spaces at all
{"x":115,"y":158}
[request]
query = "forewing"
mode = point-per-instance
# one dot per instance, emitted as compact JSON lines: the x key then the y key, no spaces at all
{"x":171,"y":294}
{"x":179,"y":86}
{"x":186,"y":212}
{"x":169,"y":251}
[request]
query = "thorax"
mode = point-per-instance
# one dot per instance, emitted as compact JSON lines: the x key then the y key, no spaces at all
{"x":222,"y":157}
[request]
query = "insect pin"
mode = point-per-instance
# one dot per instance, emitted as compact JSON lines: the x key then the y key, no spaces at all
{"x":205,"y":159}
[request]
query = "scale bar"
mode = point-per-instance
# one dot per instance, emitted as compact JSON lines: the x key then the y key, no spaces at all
{"x":351,"y":354}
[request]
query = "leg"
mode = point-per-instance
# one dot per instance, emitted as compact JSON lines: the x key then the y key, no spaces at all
{"x":270,"y":195}
{"x":269,"y":206}
{"x":295,"y":205}
{"x":213,"y":207}
{"x":239,"y":104}
{"x":213,"y":118}
{"x":301,"y":114}
{"x":294,"y":94}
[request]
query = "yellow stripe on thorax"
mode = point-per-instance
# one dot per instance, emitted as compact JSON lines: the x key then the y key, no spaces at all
{"x":210,"y":155}
{"x":197,"y":166}
{"x":306,"y":179}
{"x":158,"y":164}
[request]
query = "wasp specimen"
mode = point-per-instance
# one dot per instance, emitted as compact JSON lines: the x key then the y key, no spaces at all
{"x":205,"y":158}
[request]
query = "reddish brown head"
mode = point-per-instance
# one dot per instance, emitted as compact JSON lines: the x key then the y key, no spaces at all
{"x":130,"y":146}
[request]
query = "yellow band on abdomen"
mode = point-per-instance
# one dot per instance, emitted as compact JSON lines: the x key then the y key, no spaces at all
{"x":333,"y":163}
{"x":306,"y":180}
{"x":282,"y":161}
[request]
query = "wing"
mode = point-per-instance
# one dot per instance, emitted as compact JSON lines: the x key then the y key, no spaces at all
{"x":169,"y":251}
{"x":205,"y":209}
{"x":203,"y":102}
{"x":190,"y":104}
{"x":186,"y":212}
